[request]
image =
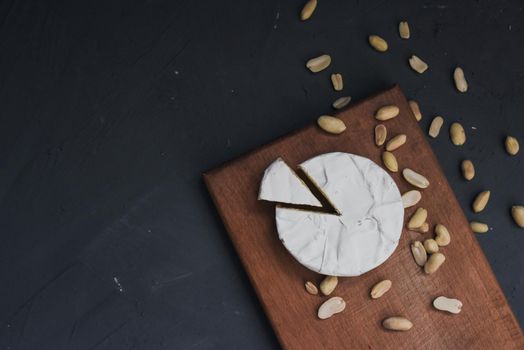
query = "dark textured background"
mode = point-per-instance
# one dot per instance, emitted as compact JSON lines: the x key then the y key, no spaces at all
{"x":111,"y":110}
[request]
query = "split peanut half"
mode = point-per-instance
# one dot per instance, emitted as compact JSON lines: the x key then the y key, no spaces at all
{"x":418,"y":218}
{"x":468,"y":169}
{"x":387,"y":112}
{"x":403,"y":30}
{"x":422,"y":229}
{"x":397,"y":323}
{"x":378,"y":43}
{"x":328,"y":285}
{"x":341,"y":102}
{"x":419,"y":253}
{"x":331,"y":124}
{"x":415,"y":109}
{"x":517,"y":211}
{"x":311,"y":288}
{"x":319,"y":63}
{"x":457,"y":134}
{"x":478,"y":227}
{"x":442,"y":236}
{"x":331,"y":307}
{"x":434,"y":262}
{"x":460,"y":81}
{"x":390,"y":161}
{"x":434,"y":127}
{"x":431,"y":246}
{"x":442,"y":303}
{"x":308,"y":9}
{"x":396,"y":142}
{"x":415,"y":178}
{"x":512,"y":145}
{"x":380,"y":289}
{"x":481,"y":201}
{"x":417,"y":64}
{"x":411,"y":198}
{"x":336,"y":80}
{"x":380,"y":134}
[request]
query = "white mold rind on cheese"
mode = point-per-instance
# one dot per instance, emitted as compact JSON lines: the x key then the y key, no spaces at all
{"x":368,"y":229}
{"x":281,"y":184}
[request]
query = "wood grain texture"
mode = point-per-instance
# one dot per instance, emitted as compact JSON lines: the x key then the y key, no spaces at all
{"x":486,"y":320}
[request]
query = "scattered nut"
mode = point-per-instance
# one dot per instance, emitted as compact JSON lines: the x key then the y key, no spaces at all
{"x":380,"y":134}
{"x":415,"y":178}
{"x":422,"y":229}
{"x":311,"y":288}
{"x":468,"y":169}
{"x":341,"y":102}
{"x":478,"y":227}
{"x":415,"y":109}
{"x":481,"y":201}
{"x":396,"y":142}
{"x":330,"y":307}
{"x":397,"y":324}
{"x":336,"y":80}
{"x":403,"y":30}
{"x":442,"y":236}
{"x":418,"y":218}
{"x":390,"y":161}
{"x":308,"y":9}
{"x":457,"y":134}
{"x":460,"y":82}
{"x":328,"y":285}
{"x":417,"y":64}
{"x":517,"y":211}
{"x":512,"y":145}
{"x":331,"y":124}
{"x":431,"y":246}
{"x":319,"y":63}
{"x":411,"y":198}
{"x":436,"y":124}
{"x":446,"y":304}
{"x":434,"y":262}
{"x":378,"y":43}
{"x":380,"y":289}
{"x":419,"y":253}
{"x":387,"y":112}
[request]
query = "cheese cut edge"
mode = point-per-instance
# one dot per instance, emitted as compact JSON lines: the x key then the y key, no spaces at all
{"x":319,"y":189}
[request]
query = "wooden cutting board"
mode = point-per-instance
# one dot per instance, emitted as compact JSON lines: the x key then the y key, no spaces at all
{"x":486,"y":321}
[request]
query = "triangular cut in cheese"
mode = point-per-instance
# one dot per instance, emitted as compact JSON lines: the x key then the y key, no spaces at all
{"x":281,"y":184}
{"x":317,"y":191}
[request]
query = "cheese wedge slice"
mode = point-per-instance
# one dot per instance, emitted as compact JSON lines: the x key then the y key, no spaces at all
{"x":281,"y":184}
{"x":369,"y":226}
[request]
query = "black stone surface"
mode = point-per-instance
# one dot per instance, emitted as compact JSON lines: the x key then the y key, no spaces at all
{"x":111,"y":110}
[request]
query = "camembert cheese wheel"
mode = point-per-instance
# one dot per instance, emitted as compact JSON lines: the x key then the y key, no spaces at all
{"x":366,"y":232}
